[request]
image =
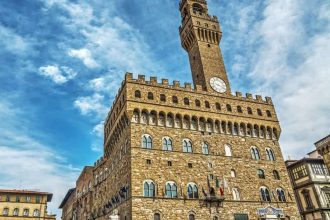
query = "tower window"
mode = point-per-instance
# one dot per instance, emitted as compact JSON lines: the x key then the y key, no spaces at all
{"x":162,"y":98}
{"x":228,"y":108}
{"x":190,"y":165}
{"x":261,"y":174}
{"x":148,"y":161}
{"x":207,"y":104}
{"x":249,"y":110}
{"x":259,"y":112}
{"x":175,"y":99}
{"x":169,"y":163}
{"x":239,"y":109}
{"x":186,"y":101}
{"x":137,"y":94}
{"x":150,"y":95}
{"x":149,"y":189}
{"x":268,"y":114}
{"x":197,"y":103}
{"x":197,"y":8}
{"x":218,"y":106}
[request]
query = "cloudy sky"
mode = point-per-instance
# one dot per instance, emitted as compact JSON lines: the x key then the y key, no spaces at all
{"x":61,"y":63}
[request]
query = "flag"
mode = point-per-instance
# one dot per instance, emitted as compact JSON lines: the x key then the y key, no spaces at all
{"x":208,"y":182}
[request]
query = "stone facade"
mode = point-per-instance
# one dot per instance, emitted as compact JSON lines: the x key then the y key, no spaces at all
{"x":188,"y":151}
{"x":24,"y":204}
{"x":67,"y":205}
{"x":311,"y":183}
{"x":323,"y":147}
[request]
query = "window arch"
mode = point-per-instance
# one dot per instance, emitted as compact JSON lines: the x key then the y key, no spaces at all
{"x":150,"y":95}
{"x":207,"y":104}
{"x":218,"y":106}
{"x":5,"y":211}
{"x":191,"y":217}
{"x":205,"y":148}
{"x":228,"y":151}
{"x":169,"y":120}
{"x":192,"y":191}
{"x":146,"y":141}
{"x":175,"y":99}
{"x":149,"y":188}
{"x":281,"y":195}
{"x":144,"y":117}
{"x":268,"y":114}
{"x":276,"y":175}
{"x":197,"y":8}
{"x":171,"y":190}
{"x":162,"y":97}
{"x":36,"y":213}
{"x":215,"y":218}
{"x":187,"y":146}
{"x":198,"y":103}
{"x":270,"y":154}
{"x":136,"y":116}
{"x":261,"y":174}
{"x":156,"y":216}
{"x":233,"y":173}
{"x":16,"y":211}
{"x":167,"y":144}
{"x":186,"y":101}
{"x":264,"y":193}
{"x":255,"y":153}
{"x":26,"y":212}
{"x":137,"y":94}
{"x":228,"y":108}
{"x":236,"y":194}
{"x":249,"y":110}
{"x":259,"y":112}
{"x":239,"y":109}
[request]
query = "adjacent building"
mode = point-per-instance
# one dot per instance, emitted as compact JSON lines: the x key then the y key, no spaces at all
{"x":174,"y":151}
{"x":311,"y":183}
{"x":68,"y":204}
{"x":323,"y":147}
{"x":24,"y":204}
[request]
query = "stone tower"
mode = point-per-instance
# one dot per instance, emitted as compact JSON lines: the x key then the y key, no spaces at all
{"x":323,"y":147}
{"x":200,"y":36}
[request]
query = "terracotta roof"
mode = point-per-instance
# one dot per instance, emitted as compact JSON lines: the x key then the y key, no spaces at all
{"x":23,"y":191}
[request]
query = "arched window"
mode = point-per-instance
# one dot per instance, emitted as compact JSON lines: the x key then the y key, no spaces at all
{"x":276,"y":175}
{"x":162,"y":98}
{"x":281,"y":195}
{"x":228,"y":152}
{"x":228,"y":108}
{"x":36,"y":213}
{"x":197,"y":8}
{"x":264,"y":193}
{"x":150,"y":95}
{"x":236,"y":195}
{"x":26,"y":212}
{"x":186,"y":101}
{"x":255,"y":153}
{"x":205,"y":148}
{"x":169,"y":120}
{"x":149,"y":189}
{"x":259,"y":112}
{"x":137,"y":94}
{"x":5,"y":211}
{"x":171,"y":190}
{"x":16,"y":211}
{"x":146,"y":141}
{"x":167,"y":144}
{"x":268,"y":114}
{"x":215,"y":218}
{"x":136,"y":116}
{"x":261,"y":174}
{"x":207,"y":104}
{"x":161,"y":119}
{"x":187,"y":146}
{"x":192,"y":191}
{"x":233,"y":173}
{"x":175,"y":99}
{"x":191,"y":217}
{"x":144,"y":117}
{"x":153,"y":118}
{"x":218,"y":106}
{"x":249,"y":110}
{"x":186,"y":122}
{"x":156,"y":216}
{"x":197,"y":103}
{"x":239,"y":109}
{"x":270,"y":154}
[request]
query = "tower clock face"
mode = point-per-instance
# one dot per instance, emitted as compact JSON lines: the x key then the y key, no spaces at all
{"x":218,"y":85}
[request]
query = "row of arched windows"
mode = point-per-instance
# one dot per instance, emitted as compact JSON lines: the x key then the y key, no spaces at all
{"x":266,"y":197}
{"x":26,"y":212}
{"x":255,"y":154}
{"x":204,"y":125}
{"x":261,"y":174}
{"x":191,"y":216}
{"x":187,"y":102}
{"x":187,"y":146}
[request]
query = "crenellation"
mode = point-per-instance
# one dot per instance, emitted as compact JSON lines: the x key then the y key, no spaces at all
{"x":176,"y":84}
{"x":249,"y":96}
{"x":238,"y":94}
{"x":259,"y":98}
{"x":128,"y":76}
{"x":153,"y":80}
{"x":164,"y":82}
{"x":187,"y":86}
{"x":141,"y":78}
{"x":269,"y":100}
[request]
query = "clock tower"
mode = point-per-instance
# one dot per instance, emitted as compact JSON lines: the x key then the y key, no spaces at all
{"x":200,"y":36}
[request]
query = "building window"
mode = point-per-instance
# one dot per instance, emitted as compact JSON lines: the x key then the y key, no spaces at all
{"x":18,"y":199}
{"x":187,"y":146}
{"x":156,"y":216}
{"x":249,"y":110}
{"x":255,"y":153}
{"x":137,"y":94}
{"x":233,"y":173}
{"x":150,"y":95}
{"x":205,"y":148}
{"x":169,"y":163}
{"x":148,"y":161}
{"x":167,"y":144}
{"x":269,"y":115}
{"x":191,"y":217}
{"x":186,"y":101}
{"x":149,"y":189}
{"x":7,"y":198}
{"x":228,"y":108}
{"x":5,"y":211}
{"x":146,"y":141}
{"x":308,"y":200}
{"x":25,"y":212}
{"x":276,"y":175}
{"x":281,"y":195}
{"x":270,"y":154}
{"x":236,"y":195}
{"x":261,"y":174}
{"x":241,"y":217}
{"x":28,"y":199}
{"x":259,"y":112}
{"x":218,"y":106}
{"x":207,"y":104}
{"x":175,"y":99}
{"x":319,"y":169}
{"x":215,"y":218}
{"x":264,"y":193}
{"x":327,"y":197}
{"x":162,"y":98}
{"x":16,"y":211}
{"x":228,"y":152}
{"x":192,"y":191}
{"x":197,"y":103}
{"x":171,"y":190}
{"x":36,"y":213}
{"x":38,"y":199}
{"x":299,"y":172}
{"x":190,"y":165}
{"x":239,"y":109}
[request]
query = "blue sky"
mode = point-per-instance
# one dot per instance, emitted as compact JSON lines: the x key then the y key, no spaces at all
{"x":61,"y":63}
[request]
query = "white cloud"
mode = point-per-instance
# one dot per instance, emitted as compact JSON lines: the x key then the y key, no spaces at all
{"x":58,"y":75}
{"x":85,"y":55}
{"x":13,"y":42}
{"x":91,"y":104}
{"x":99,"y":129}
